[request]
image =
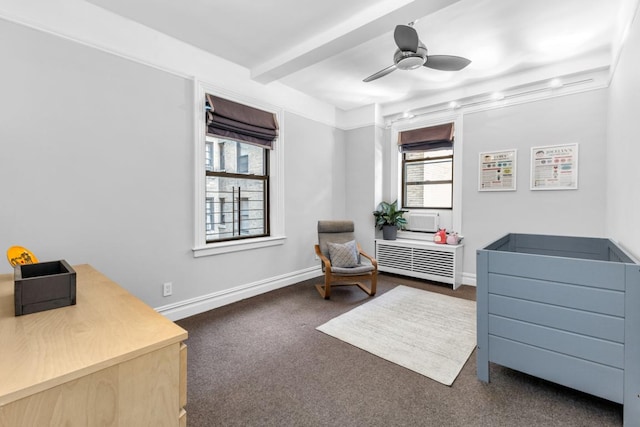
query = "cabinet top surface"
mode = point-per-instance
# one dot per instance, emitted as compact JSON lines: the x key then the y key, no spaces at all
{"x":418,"y":243}
{"x":107,"y":326}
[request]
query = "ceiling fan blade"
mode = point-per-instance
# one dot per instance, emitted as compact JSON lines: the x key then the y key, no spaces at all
{"x":381,"y":73}
{"x":446,"y":62}
{"x":406,"y":38}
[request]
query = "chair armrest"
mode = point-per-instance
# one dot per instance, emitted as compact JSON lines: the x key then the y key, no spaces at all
{"x":369,"y":257}
{"x":324,"y":259}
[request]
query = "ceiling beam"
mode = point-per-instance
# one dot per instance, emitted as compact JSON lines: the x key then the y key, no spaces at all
{"x":372,"y":22}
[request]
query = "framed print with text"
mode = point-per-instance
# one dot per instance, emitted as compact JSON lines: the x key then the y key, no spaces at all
{"x":554,"y":167}
{"x":497,"y":171}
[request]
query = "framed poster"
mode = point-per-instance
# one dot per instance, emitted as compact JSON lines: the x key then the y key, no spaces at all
{"x":554,"y":167}
{"x":497,"y":171}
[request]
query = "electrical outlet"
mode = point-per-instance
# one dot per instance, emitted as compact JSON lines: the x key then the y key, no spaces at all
{"x":167,"y":289}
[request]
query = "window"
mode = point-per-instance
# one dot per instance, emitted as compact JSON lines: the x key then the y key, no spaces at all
{"x":427,"y":178}
{"x":245,"y":185}
{"x":427,"y":167}
{"x":238,"y":174}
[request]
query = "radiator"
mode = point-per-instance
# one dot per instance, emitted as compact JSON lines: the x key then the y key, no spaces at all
{"x":421,"y":259}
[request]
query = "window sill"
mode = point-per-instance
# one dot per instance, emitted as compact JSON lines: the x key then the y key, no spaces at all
{"x":415,"y":235}
{"x":237,"y":246}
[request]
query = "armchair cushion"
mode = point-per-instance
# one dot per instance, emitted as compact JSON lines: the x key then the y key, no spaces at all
{"x":353,"y":271}
{"x":343,"y":255}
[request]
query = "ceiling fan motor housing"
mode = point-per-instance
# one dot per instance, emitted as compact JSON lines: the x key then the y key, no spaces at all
{"x":408,"y":60}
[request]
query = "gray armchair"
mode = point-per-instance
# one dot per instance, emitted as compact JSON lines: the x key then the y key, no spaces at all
{"x":343,"y":260}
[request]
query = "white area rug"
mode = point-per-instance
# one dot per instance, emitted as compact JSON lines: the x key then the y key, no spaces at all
{"x":429,"y":333}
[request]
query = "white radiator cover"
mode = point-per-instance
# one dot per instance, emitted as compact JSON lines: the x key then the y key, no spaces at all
{"x":421,"y":259}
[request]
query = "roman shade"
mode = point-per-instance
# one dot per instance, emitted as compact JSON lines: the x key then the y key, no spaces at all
{"x":429,"y":138}
{"x":230,"y":119}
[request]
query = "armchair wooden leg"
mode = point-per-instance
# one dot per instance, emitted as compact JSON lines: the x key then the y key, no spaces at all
{"x":374,"y":283}
{"x":321,"y":291}
{"x":325,"y":290}
{"x":327,"y":286}
{"x":369,"y":291}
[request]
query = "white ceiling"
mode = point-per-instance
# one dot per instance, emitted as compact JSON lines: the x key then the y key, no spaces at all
{"x":325,"y":48}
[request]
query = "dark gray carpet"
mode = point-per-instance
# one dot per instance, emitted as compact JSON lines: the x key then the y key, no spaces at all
{"x":260,"y":362}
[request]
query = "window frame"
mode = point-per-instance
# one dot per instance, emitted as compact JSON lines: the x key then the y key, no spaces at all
{"x":413,"y":161}
{"x":264,"y":178}
{"x":275,"y":181}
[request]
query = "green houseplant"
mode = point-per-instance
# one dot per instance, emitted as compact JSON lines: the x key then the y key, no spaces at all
{"x":390,"y":219}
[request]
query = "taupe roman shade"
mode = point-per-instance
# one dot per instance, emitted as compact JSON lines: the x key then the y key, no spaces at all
{"x":429,"y":138}
{"x":240,"y":122}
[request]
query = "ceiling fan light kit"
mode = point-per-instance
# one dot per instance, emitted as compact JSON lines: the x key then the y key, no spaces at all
{"x":407,"y":60}
{"x":412,"y":54}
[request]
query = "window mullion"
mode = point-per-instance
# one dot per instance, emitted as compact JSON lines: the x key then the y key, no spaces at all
{"x":428,"y":182}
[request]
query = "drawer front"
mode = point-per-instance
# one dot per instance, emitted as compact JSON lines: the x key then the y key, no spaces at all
{"x":138,"y":392}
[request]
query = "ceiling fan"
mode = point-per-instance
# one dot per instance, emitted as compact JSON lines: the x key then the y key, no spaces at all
{"x":412,"y":54}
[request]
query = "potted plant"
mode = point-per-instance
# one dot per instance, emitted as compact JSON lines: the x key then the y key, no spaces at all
{"x":390,"y":219}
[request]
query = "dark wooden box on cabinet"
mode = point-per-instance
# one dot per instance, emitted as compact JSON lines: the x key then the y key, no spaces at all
{"x":43,"y":286}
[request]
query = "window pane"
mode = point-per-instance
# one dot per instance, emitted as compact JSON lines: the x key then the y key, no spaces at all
{"x":428,"y":179}
{"x":428,"y":195}
{"x":225,"y":155}
{"x":428,"y":154}
{"x":430,"y":170}
{"x":238,"y":206}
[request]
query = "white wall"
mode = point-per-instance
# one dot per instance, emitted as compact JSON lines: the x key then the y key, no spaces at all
{"x":361,"y":150}
{"x":314,"y":180}
{"x":486,"y":216}
{"x":95,"y":171}
{"x":623,"y":147}
{"x":97,"y":157}
{"x":96,"y":27}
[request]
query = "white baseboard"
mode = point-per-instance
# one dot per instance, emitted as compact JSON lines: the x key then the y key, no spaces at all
{"x":469,"y":279}
{"x":193,"y":306}
{"x":181,"y":309}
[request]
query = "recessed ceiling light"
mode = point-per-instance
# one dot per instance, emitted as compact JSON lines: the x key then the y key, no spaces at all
{"x":555,"y":83}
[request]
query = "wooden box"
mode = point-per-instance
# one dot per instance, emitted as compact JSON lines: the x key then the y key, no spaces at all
{"x":43,"y":286}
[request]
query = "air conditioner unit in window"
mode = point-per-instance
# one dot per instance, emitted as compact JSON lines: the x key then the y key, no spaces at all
{"x":420,"y":221}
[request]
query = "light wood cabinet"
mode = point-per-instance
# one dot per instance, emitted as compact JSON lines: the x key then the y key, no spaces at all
{"x":109,"y":360}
